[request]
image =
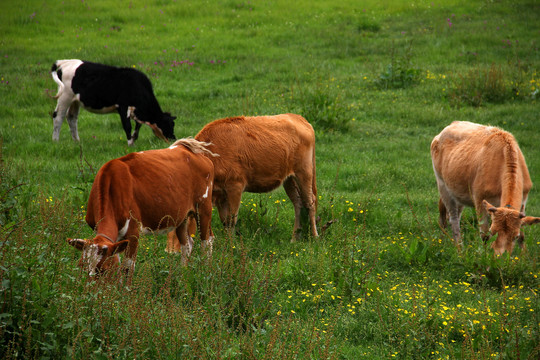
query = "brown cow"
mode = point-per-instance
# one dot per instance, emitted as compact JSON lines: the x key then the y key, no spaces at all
{"x":477,"y":166}
{"x":148,"y":190}
{"x":258,"y":154}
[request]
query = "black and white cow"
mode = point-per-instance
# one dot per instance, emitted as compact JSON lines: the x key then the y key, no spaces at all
{"x":104,"y":89}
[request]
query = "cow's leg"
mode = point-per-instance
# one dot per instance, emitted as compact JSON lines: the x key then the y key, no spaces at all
{"x":126,"y":122}
{"x":192,"y":225}
{"x":483,"y":219}
{"x":521,"y":240}
{"x":234,"y":198}
{"x":291,"y":188}
{"x":130,"y":114}
{"x":59,"y":114}
{"x":131,"y":229}
{"x":443,"y":216}
{"x":205,"y":229}
{"x":455,"y":211}
{"x":72,"y":116}
{"x":173,"y":244}
{"x":222,"y":204}
{"x":131,"y":256}
{"x":304,"y":179}
{"x":135,"y":134}
{"x":186,"y":241}
{"x":521,"y":237}
{"x":128,"y":265}
{"x":228,"y":204}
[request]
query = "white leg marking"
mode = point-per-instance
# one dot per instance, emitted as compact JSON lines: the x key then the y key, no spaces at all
{"x":186,"y":250}
{"x":207,"y":245}
{"x":130,"y":264}
{"x":130,"y":111}
{"x":65,"y":93}
{"x":62,"y":107}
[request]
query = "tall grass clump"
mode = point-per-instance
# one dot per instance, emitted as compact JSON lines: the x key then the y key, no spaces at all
{"x":9,"y":188}
{"x":400,"y":72}
{"x":480,"y":86}
{"x":324,"y":104}
{"x":495,"y":85}
{"x":368,"y":25}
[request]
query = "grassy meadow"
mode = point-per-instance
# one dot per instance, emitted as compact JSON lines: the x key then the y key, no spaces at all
{"x":377,"y":80}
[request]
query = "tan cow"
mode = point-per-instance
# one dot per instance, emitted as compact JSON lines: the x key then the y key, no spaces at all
{"x":482,"y":167}
{"x":149,"y":190}
{"x":258,"y":154}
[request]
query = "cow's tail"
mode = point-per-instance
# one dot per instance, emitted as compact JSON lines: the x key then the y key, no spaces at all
{"x":314,"y":179}
{"x":112,"y":190}
{"x":54,"y":74}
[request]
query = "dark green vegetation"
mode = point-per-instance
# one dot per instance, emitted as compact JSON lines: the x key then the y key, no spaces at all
{"x":376,"y":79}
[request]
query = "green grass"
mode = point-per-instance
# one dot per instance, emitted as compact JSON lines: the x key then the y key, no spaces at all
{"x":382,"y":282}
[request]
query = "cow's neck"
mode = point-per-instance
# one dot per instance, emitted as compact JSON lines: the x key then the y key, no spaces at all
{"x":105,"y":236}
{"x":107,"y":232}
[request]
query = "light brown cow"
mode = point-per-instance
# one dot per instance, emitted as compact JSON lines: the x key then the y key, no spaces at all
{"x":258,"y":154}
{"x":149,"y":190}
{"x":482,"y":167}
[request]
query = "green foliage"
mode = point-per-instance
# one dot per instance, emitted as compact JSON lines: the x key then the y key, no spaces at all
{"x":493,"y":85}
{"x":324,"y":106}
{"x":400,"y":73}
{"x":398,"y":76}
{"x":368,"y":25}
{"x":8,"y":195}
{"x":480,"y":86}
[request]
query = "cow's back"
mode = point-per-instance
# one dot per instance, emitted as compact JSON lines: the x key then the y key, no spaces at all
{"x":459,"y":149}
{"x":471,"y":160}
{"x":102,"y":85}
{"x":150,"y":186}
{"x":259,"y":151}
{"x":181,"y":175}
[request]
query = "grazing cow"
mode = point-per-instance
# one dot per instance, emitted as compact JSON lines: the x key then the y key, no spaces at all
{"x":258,"y":154}
{"x":482,"y":167}
{"x":104,"y":89}
{"x":151,"y":190}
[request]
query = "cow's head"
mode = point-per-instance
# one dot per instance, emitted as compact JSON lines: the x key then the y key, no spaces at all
{"x":506,"y":223}
{"x":164,"y":127}
{"x":98,"y":254}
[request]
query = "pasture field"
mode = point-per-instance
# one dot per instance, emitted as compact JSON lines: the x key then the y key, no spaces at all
{"x":377,"y":79}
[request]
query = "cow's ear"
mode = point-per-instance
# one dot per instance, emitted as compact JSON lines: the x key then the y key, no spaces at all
{"x":119,"y":247}
{"x":530,"y":220}
{"x":78,"y":244}
{"x":488,"y":206}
